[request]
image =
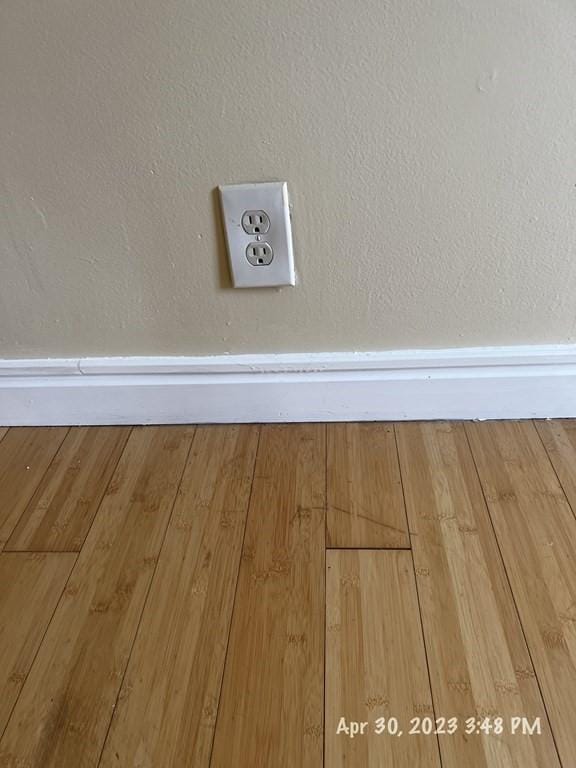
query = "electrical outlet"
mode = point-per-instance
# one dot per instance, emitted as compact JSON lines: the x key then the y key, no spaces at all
{"x":258,"y":234}
{"x":259,"y":254}
{"x":255,"y":222}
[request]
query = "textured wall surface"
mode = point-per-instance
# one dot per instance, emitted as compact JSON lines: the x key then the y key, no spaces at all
{"x":430,"y":150}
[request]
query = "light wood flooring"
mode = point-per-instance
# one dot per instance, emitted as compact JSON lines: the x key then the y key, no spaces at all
{"x":289,"y":596}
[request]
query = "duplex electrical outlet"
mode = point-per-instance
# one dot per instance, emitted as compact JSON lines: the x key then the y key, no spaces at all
{"x":258,"y":234}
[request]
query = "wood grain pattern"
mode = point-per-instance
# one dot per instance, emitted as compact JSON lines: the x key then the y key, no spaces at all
{"x":168,"y":702}
{"x":25,"y":454}
{"x":537,"y":534}
{"x":365,"y":502}
{"x":375,"y":667}
{"x":479,"y":663}
{"x":174,"y":633}
{"x":559,"y":438}
{"x":31,"y":586}
{"x":62,"y":509}
{"x":63,"y":712}
{"x":271,"y":707}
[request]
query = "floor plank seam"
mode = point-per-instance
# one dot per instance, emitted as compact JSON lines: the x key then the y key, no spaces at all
{"x":394,"y":429}
{"x":235,"y":592}
{"x":554,"y":468}
{"x":411,"y":550}
{"x":112,"y":473}
{"x":513,"y":596}
{"x":368,"y":549}
{"x":42,"y":551}
{"x":139,"y":622}
{"x":71,"y":570}
{"x":38,"y":484}
{"x":9,"y":718}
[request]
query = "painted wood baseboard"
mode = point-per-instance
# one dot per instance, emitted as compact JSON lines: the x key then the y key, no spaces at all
{"x":472,"y":383}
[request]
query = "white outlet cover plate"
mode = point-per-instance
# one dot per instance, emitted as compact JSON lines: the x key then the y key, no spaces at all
{"x":271,"y":197}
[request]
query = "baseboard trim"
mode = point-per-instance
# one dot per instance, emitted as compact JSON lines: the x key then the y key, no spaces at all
{"x":471,"y":383}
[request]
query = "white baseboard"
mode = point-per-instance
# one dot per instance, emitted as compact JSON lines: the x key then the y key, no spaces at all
{"x":474,"y":383}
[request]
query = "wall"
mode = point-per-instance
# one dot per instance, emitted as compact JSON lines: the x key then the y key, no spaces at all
{"x":430,"y":150}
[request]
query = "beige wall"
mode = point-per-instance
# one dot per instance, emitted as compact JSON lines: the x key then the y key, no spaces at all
{"x":430,"y":150}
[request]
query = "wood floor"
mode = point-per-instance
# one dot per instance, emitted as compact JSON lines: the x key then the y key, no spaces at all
{"x":289,"y":596}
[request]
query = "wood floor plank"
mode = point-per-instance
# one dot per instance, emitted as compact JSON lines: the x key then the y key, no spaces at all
{"x":479,"y":662}
{"x":61,"y":511}
{"x":167,"y":706}
{"x":31,"y":585}
{"x":25,"y":454}
{"x":537,"y":534}
{"x":271,"y":706}
{"x":375,"y":660}
{"x":62,"y":715}
{"x":3,"y":431}
{"x":365,"y":502}
{"x":559,"y":438}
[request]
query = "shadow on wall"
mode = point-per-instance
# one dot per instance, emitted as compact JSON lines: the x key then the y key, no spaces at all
{"x":222,"y":260}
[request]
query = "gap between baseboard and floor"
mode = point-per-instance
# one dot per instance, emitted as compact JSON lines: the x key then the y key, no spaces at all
{"x":469,"y":383}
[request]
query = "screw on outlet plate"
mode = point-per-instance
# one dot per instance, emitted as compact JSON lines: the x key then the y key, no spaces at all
{"x":255,"y":222}
{"x":259,"y":254}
